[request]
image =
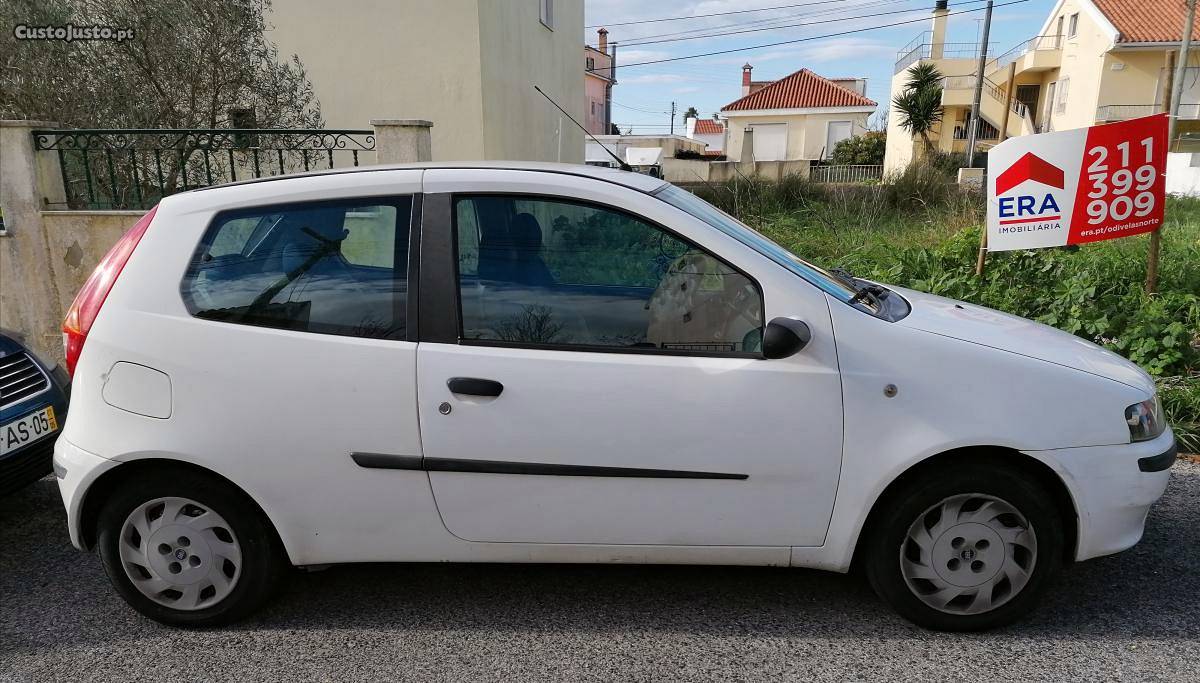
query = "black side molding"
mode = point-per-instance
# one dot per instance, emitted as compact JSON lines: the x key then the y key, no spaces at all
{"x":549,"y":469}
{"x":416,"y":462}
{"x":1160,"y":462}
{"x":385,"y":461}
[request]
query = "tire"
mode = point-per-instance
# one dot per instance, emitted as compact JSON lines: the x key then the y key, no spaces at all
{"x":994,"y":543}
{"x":197,"y":553}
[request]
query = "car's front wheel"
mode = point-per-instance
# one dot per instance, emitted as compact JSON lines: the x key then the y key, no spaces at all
{"x":185,"y":549}
{"x":968,"y":549}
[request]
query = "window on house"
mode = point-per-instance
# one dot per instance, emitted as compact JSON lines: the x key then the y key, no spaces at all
{"x":591,"y":64}
{"x":1073,"y":26}
{"x":1063,"y":86}
{"x":547,"y":13}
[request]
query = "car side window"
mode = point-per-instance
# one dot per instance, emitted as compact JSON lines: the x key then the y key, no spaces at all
{"x":542,"y":271}
{"x":327,"y":267}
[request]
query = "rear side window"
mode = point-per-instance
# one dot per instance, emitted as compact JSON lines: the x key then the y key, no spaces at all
{"x":330,"y":268}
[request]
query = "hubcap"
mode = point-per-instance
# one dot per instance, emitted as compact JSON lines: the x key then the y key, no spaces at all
{"x":968,"y":554}
{"x":180,"y":554}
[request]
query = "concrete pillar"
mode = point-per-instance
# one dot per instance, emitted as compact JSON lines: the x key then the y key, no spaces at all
{"x":25,"y":286}
{"x":747,"y":146}
{"x":400,"y":141}
{"x":971,"y":177}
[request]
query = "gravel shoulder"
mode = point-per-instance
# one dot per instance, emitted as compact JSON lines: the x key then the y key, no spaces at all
{"x":1135,"y":615}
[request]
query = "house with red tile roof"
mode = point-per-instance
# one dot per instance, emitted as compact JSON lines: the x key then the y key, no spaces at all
{"x":709,"y":131}
{"x":1090,"y":62}
{"x":801,"y":116}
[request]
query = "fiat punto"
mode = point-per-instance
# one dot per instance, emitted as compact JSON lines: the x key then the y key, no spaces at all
{"x":518,"y":362}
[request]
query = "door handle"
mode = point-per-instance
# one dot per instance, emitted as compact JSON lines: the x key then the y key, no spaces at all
{"x":474,"y":386}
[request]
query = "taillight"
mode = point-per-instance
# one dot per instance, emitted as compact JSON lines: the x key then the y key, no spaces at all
{"x":87,"y":303}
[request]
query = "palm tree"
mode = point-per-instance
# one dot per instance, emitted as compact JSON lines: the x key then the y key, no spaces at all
{"x":919,"y":105}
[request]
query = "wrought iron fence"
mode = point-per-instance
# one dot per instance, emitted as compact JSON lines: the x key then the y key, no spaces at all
{"x":846,"y":173}
{"x":135,"y":168}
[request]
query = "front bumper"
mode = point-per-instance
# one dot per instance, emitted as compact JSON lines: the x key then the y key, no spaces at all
{"x":76,"y":470}
{"x":26,"y":465}
{"x":1113,"y":488}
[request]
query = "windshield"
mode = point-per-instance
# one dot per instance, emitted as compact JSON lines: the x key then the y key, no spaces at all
{"x":690,"y":203}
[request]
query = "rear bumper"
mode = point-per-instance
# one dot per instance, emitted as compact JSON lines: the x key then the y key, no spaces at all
{"x":76,"y":470}
{"x":1113,"y":488}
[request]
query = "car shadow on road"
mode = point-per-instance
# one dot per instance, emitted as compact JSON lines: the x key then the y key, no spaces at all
{"x":55,"y":595}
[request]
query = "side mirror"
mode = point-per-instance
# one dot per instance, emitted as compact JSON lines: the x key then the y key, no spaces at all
{"x":785,"y":337}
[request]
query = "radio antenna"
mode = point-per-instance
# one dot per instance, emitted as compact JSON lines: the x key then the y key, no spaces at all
{"x":624,"y":166}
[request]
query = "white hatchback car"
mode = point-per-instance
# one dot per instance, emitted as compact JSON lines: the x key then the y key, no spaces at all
{"x":554,"y":363}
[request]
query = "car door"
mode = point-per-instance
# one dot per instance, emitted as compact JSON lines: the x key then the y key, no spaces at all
{"x":589,"y":372}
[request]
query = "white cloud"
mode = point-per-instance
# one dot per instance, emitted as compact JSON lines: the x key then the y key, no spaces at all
{"x":756,"y":58}
{"x":686,"y":89}
{"x":635,"y":56}
{"x":848,"y":48}
{"x":655,"y":78}
{"x":816,"y":53}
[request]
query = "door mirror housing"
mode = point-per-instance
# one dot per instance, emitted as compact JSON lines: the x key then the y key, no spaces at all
{"x":785,"y":337}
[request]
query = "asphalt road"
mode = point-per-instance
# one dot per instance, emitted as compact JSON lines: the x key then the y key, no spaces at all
{"x":1132,"y":616}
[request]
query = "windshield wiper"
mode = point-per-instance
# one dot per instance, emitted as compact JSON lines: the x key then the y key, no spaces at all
{"x":863,"y":293}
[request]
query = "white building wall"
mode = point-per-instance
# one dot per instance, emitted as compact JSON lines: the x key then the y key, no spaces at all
{"x":715,"y":141}
{"x":1183,"y":174}
{"x":467,"y":65}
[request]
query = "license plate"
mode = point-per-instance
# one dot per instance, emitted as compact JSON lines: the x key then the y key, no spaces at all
{"x":27,"y":429}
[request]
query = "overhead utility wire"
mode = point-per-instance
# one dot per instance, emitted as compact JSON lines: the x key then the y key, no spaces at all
{"x":803,"y":23}
{"x":768,"y":20}
{"x":810,"y":38}
{"x":715,"y":14}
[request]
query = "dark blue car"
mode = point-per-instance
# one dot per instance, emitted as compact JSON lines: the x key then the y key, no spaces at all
{"x":33,"y":405}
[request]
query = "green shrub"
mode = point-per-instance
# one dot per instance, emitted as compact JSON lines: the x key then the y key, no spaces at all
{"x":1181,"y":403}
{"x":865,"y":149}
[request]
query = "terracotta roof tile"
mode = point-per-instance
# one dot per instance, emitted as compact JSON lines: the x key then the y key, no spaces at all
{"x":1147,"y":21}
{"x":708,"y":127}
{"x":799,"y":90}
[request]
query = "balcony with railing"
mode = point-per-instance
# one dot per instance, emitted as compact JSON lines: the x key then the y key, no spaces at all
{"x":1122,"y":112}
{"x":1044,"y":50}
{"x":923,"y":47}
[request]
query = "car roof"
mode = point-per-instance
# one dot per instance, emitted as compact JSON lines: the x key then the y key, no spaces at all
{"x":636,"y":181}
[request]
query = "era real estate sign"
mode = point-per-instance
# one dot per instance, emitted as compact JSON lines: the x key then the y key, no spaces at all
{"x":1077,"y":186}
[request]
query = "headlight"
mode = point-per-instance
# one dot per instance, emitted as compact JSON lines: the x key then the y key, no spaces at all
{"x":1145,"y":420}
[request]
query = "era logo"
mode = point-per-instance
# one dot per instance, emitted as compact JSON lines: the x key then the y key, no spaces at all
{"x":1026,"y":207}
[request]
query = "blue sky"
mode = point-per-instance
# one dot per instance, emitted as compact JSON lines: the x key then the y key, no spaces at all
{"x":643,"y":94}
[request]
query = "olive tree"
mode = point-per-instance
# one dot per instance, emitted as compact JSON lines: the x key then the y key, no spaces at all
{"x":189,"y":64}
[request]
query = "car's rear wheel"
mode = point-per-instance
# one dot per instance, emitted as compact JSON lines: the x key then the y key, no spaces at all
{"x":966,"y":550}
{"x":187,"y":550}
